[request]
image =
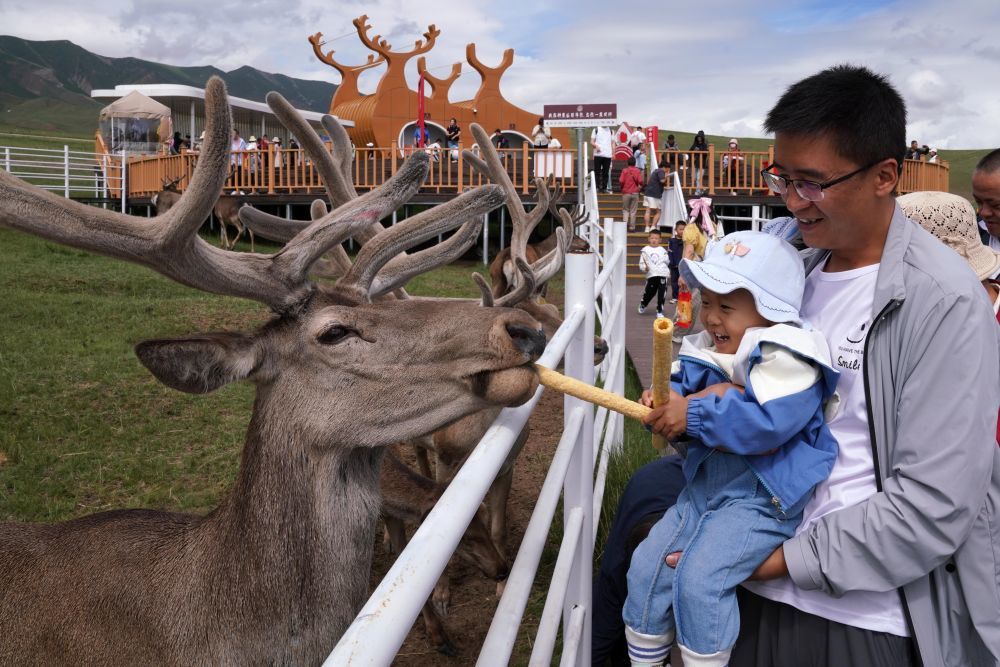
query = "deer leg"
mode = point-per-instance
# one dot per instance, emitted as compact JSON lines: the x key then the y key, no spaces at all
{"x":239,"y":233}
{"x":396,"y":532}
{"x":423,"y":461}
{"x":441,"y":597}
{"x":496,"y":504}
{"x":223,"y":236}
{"x":499,"y":493}
{"x":433,"y":623}
{"x":250,"y":232}
{"x":436,"y":634}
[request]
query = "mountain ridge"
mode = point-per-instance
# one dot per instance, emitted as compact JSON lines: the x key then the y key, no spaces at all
{"x":46,"y":85}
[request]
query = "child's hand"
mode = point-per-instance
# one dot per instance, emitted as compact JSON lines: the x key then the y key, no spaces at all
{"x":670,"y":419}
{"x":647,"y":398}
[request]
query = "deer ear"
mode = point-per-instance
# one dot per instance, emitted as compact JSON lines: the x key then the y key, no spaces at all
{"x":202,"y":364}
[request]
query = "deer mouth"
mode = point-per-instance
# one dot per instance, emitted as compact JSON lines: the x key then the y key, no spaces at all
{"x":506,"y":386}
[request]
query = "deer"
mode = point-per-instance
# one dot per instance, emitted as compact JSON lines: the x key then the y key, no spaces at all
{"x":407,"y":498}
{"x":277,"y":571}
{"x":451,"y":445}
{"x":502,"y":269}
{"x":226,"y":211}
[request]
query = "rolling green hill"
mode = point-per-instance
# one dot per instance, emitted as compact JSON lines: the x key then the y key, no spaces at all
{"x":45,"y":86}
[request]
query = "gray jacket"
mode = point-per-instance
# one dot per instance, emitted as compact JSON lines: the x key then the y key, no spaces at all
{"x":932,"y":384}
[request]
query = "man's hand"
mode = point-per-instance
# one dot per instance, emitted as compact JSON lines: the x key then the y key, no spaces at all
{"x":772,"y":568}
{"x":668,"y":420}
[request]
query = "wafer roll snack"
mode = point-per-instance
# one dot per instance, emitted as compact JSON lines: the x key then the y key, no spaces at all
{"x":663,"y":331}
{"x":590,"y":393}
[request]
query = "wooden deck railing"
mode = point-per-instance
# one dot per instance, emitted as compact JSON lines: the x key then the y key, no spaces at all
{"x":289,"y":171}
{"x":720,"y":172}
{"x":739,"y":173}
{"x":920,"y":176}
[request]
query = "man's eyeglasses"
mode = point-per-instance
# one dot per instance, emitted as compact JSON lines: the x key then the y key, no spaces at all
{"x":808,"y":190}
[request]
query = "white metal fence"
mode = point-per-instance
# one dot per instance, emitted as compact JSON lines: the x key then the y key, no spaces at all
{"x":595,"y":290}
{"x":67,"y":172}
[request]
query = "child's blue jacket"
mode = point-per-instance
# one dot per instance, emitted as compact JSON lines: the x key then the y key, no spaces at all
{"x":789,"y":384}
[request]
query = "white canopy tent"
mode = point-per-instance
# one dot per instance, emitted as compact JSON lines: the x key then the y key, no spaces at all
{"x":135,"y":123}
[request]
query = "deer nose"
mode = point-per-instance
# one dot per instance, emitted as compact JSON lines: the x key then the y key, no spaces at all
{"x":600,"y":347}
{"x":528,"y":340}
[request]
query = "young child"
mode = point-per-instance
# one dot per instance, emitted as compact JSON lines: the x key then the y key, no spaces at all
{"x":654,"y":262}
{"x":750,"y":393}
{"x":631,"y":181}
{"x":675,"y":250}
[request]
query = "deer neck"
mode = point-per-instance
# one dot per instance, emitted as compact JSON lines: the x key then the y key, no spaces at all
{"x":546,"y":244}
{"x":298,"y":525}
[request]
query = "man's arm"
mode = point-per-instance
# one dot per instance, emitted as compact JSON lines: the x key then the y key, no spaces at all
{"x":940,"y":469}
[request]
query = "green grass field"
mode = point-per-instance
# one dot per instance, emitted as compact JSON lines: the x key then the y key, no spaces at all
{"x":85,"y":426}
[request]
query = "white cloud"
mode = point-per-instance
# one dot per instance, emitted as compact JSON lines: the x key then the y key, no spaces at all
{"x":712,"y":65}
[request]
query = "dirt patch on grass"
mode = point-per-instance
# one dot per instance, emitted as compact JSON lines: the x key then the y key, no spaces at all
{"x":473,"y":597}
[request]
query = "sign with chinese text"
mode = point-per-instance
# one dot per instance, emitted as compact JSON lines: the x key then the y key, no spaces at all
{"x":580,"y":115}
{"x":652,"y":135}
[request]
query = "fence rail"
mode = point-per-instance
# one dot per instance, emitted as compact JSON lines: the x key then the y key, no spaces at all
{"x":67,"y":172}
{"x":384,"y":621}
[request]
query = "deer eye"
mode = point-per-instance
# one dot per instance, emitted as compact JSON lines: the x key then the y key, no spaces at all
{"x":334,"y":335}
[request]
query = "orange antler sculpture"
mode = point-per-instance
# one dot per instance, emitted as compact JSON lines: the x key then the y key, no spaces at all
{"x":381,"y":118}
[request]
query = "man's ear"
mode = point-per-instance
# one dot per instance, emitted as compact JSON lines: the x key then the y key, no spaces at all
{"x":201,"y":364}
{"x":887,"y":177}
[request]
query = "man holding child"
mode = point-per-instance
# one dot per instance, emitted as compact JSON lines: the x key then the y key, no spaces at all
{"x":896,"y":559}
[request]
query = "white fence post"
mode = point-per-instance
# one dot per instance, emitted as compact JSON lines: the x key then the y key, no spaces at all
{"x":66,"y":171}
{"x":579,"y":486}
{"x":124,"y":180}
{"x":619,"y":233}
{"x":6,"y":159}
{"x":486,"y":239}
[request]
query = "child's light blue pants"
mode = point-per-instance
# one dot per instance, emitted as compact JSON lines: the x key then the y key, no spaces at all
{"x":726,"y":525}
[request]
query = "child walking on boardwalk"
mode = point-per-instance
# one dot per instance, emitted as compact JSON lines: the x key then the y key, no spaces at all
{"x":655,"y":263}
{"x":749,"y":392}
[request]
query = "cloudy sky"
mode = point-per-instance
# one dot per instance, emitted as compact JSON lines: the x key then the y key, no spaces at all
{"x":710,"y":64}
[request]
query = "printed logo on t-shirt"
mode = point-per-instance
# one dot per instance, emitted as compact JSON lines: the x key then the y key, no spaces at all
{"x":851,"y":352}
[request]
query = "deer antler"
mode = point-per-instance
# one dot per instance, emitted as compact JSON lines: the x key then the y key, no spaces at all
{"x":335,"y":171}
{"x":170,"y":243}
{"x":376,"y":43}
{"x":345,"y":70}
{"x":379,"y":45}
{"x":439,"y":86}
{"x":522,"y":223}
{"x":484,"y":71}
{"x":571,"y":220}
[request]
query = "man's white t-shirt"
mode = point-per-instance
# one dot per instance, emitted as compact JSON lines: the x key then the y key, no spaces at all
{"x":601,"y":138}
{"x":840,"y":305}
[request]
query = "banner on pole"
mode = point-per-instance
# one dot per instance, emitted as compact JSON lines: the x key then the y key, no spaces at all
{"x":652,"y":135}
